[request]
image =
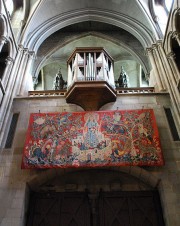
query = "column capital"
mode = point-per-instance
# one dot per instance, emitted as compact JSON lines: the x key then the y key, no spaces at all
{"x":3,"y":39}
{"x":154,"y":46}
{"x":26,"y":52}
{"x":32,"y":54}
{"x":149,"y":50}
{"x":20,"y":48}
{"x":171,"y":55}
{"x":9,"y":60}
{"x":160,"y":42}
{"x":175,"y":35}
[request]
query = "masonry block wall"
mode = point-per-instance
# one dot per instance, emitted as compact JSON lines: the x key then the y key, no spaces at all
{"x":16,"y":183}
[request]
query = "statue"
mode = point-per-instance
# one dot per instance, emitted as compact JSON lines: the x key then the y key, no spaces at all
{"x":59,"y":82}
{"x":123,"y":79}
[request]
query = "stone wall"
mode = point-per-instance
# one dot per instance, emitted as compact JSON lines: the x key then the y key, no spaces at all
{"x":15,"y":183}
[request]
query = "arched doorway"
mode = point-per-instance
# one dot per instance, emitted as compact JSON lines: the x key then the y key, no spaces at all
{"x":94,"y":197}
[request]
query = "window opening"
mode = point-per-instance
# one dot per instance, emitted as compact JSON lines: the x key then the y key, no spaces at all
{"x":12,"y":129}
{"x":172,"y":124}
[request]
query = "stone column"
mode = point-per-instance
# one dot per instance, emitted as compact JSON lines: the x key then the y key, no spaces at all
{"x":171,"y":80}
{"x":8,"y":97}
{"x":3,"y":40}
{"x":139,"y":81}
{"x":159,"y":65}
{"x":30,"y":57}
{"x":153,"y":60}
{"x":175,"y":70}
{"x":17,"y":69}
{"x":22,"y":69}
{"x":9,"y":63}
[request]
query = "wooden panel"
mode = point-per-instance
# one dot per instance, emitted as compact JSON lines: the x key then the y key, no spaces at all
{"x":59,"y":209}
{"x":107,"y":209}
{"x":130,"y":209}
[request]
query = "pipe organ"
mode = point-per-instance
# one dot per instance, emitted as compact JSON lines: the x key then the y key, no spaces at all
{"x":90,"y":64}
{"x":90,"y":70}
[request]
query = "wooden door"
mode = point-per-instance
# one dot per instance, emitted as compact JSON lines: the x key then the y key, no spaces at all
{"x":59,"y":209}
{"x":105,"y":209}
{"x":130,"y":209}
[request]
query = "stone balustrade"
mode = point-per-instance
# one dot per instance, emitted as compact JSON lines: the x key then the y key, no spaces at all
{"x":46,"y":93}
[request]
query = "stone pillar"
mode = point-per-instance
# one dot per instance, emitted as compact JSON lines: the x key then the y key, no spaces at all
{"x":175,"y":71}
{"x":139,"y":69}
{"x":153,"y":60}
{"x":159,"y":65}
{"x":22,"y":69}
{"x":26,"y":73}
{"x":8,"y":97}
{"x":3,"y":40}
{"x":9,"y":63}
{"x":171,"y":80}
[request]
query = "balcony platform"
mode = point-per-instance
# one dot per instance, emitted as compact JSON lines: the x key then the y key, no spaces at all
{"x":90,"y":95}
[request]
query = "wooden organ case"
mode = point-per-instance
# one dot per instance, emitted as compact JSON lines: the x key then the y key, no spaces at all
{"x":90,"y":78}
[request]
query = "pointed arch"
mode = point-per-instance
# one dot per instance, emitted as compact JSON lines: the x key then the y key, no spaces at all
{"x":109,"y":37}
{"x":125,"y":22}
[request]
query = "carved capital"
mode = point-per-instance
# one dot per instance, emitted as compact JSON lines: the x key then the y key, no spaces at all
{"x":32,"y":54}
{"x":21,"y":48}
{"x":160,"y":42}
{"x":154,"y":46}
{"x":9,"y":60}
{"x":171,"y":56}
{"x":3,"y":40}
{"x":149,"y":50}
{"x":175,"y":35}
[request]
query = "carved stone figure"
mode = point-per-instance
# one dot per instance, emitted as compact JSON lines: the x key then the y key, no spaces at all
{"x":123,"y":79}
{"x":59,"y":82}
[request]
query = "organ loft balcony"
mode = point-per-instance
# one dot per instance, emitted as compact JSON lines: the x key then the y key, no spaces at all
{"x":90,"y":78}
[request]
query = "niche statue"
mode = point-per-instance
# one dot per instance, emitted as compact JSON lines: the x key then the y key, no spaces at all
{"x":123,"y":79}
{"x":59,"y":82}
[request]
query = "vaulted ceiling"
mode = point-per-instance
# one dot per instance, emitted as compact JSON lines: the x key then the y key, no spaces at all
{"x":53,"y":28}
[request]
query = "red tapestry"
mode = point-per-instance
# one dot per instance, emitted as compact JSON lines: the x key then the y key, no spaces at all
{"x":91,"y":139}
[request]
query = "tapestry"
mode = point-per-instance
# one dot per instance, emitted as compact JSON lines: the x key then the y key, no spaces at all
{"x":92,"y":139}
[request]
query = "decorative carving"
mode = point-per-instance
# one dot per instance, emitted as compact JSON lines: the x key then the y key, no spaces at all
{"x":3,"y":39}
{"x":123,"y":79}
{"x":9,"y":60}
{"x":59,"y":82}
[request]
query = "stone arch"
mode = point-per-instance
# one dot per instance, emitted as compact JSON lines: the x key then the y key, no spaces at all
{"x":3,"y":26}
{"x":151,"y":5}
{"x":136,"y":172}
{"x":12,"y":48}
{"x":174,"y":20}
{"x":176,"y":50}
{"x":177,"y":21}
{"x":168,"y":47}
{"x":43,"y":181}
{"x":46,"y":29}
{"x":3,"y":56}
{"x":114,"y":40}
